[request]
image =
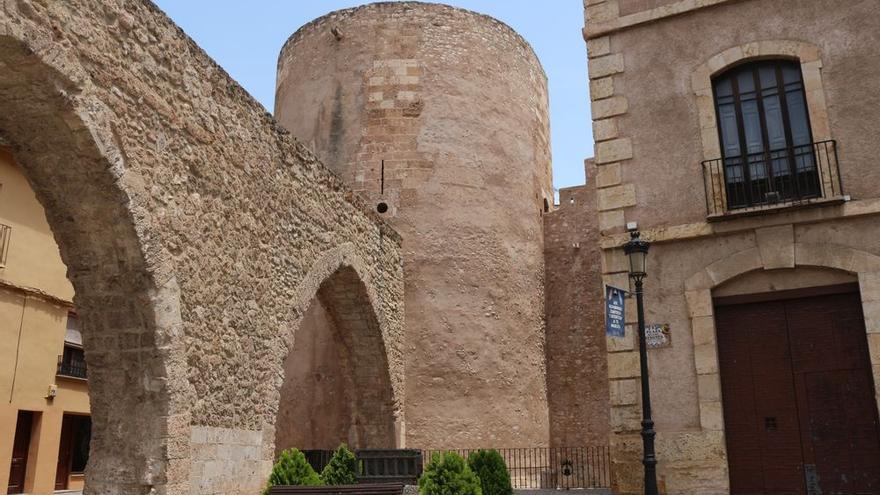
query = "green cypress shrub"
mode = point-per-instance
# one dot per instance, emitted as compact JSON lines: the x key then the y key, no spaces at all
{"x":448,"y":474}
{"x":342,"y":468}
{"x":292,"y":468}
{"x":489,"y":466}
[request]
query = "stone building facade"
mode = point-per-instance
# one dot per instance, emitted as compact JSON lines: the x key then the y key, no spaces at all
{"x":741,"y":136}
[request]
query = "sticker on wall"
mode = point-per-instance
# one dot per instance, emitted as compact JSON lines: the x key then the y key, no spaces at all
{"x":614,"y":311}
{"x":657,"y":336}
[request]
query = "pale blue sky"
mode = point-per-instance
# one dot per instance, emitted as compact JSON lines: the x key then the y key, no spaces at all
{"x":245,"y":36}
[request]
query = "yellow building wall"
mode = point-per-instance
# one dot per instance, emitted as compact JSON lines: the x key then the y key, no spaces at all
{"x":35,"y":299}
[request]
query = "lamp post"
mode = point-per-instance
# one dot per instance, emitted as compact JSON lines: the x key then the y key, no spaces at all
{"x":637,"y":251}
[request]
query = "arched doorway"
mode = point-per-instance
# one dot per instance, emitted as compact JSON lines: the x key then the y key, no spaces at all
{"x":337,"y":386}
{"x":128,"y":315}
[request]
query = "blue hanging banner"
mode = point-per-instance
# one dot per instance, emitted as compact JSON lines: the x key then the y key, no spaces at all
{"x":615,"y":310}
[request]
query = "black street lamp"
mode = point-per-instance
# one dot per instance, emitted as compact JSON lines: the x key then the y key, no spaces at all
{"x":637,"y":251}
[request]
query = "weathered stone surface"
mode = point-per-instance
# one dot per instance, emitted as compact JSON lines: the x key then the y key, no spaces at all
{"x":578,"y":400}
{"x":605,"y":129}
{"x":605,"y":66}
{"x":776,"y":246}
{"x":457,"y":147}
{"x":608,"y":175}
{"x":598,"y":47}
{"x":617,"y":197}
{"x":614,"y":150}
{"x":195,"y":232}
{"x":609,"y":107}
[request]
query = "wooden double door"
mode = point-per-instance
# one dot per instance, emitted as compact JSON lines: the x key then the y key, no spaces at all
{"x":800,"y":411}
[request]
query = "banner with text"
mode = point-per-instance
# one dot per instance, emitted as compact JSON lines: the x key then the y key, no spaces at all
{"x":614,"y":311}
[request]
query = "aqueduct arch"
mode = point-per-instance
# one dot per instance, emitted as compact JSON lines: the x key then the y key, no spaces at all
{"x":189,"y":222}
{"x":338,"y":362}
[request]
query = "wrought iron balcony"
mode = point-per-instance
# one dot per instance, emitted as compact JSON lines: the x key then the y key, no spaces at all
{"x":5,"y":234}
{"x":72,"y":363}
{"x":787,"y":177}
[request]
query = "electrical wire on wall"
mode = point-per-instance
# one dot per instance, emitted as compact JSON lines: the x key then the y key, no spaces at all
{"x":18,"y":347}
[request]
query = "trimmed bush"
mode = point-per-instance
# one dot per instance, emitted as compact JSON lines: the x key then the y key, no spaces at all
{"x":292,"y":468}
{"x":448,"y":474}
{"x":342,"y":468}
{"x":489,"y":466}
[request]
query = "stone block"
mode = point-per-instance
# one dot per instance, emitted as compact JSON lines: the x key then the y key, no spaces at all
{"x":871,"y":310}
{"x":823,"y":255}
{"x":609,"y":107}
{"x":874,"y":347}
{"x":625,"y":392}
{"x":598,"y":47}
{"x":698,"y":281}
{"x":703,"y":330}
{"x":621,"y":196}
{"x":709,"y":387}
{"x":614,"y":150}
{"x":699,"y":303}
{"x":601,"y":88}
{"x":601,"y":12}
{"x":614,"y":261}
{"x":623,"y":365}
{"x":605,"y":129}
{"x":611,"y":220}
{"x":869,"y":286}
{"x":711,"y":146}
{"x":626,"y":418}
{"x":621,"y":344}
{"x":860,"y":261}
{"x":605,"y":66}
{"x":711,"y":416}
{"x":736,"y":264}
{"x":706,"y":359}
{"x":776,"y":246}
{"x":608,"y":175}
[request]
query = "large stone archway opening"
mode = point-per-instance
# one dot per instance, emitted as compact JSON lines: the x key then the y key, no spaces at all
{"x":337,"y":386}
{"x":129,"y":317}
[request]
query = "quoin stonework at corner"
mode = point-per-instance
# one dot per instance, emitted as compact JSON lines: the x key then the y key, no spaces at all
{"x":190,"y":285}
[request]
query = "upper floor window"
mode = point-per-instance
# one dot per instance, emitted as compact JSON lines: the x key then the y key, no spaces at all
{"x":768,"y":154}
{"x":72,"y":362}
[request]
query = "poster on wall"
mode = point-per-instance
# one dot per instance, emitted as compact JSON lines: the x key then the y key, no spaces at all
{"x":614,"y":311}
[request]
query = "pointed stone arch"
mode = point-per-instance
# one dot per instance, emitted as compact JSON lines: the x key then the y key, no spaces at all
{"x":370,"y":346}
{"x":127,"y":297}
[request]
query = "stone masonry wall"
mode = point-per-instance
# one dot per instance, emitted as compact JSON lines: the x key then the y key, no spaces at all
{"x":195,"y":232}
{"x":440,"y":115}
{"x":577,"y":391}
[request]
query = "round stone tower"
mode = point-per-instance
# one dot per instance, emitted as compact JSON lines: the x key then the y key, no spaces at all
{"x":438,"y":117}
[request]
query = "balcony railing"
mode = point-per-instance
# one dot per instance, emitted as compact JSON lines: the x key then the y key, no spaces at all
{"x":790,"y":176}
{"x":72,"y":364}
{"x":5,"y":234}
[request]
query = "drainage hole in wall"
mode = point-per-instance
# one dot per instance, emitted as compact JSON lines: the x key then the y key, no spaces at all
{"x":382,"y":207}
